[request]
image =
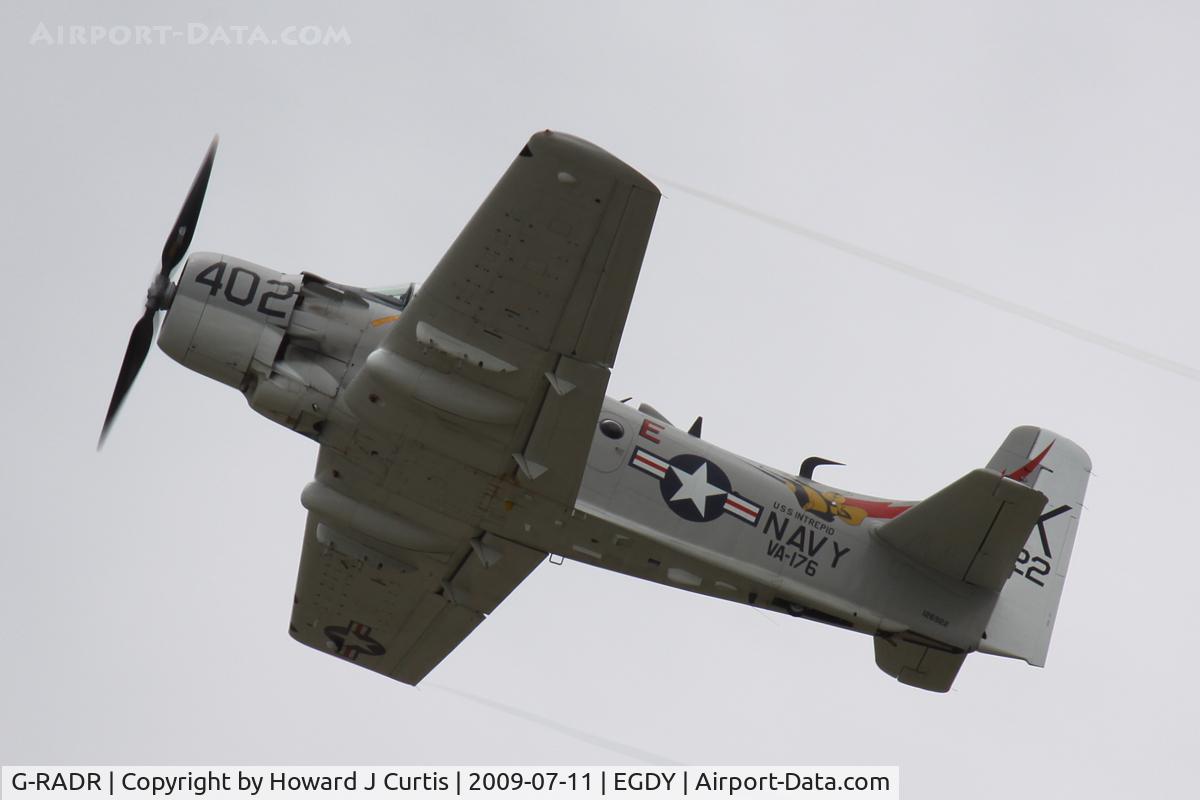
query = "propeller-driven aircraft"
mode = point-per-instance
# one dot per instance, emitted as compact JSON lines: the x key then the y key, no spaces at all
{"x":465,"y":435}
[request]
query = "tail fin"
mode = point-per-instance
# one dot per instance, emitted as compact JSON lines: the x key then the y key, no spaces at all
{"x":1023,"y":619}
{"x":970,"y":531}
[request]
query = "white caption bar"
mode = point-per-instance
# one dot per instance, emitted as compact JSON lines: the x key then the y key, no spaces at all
{"x":477,"y":783}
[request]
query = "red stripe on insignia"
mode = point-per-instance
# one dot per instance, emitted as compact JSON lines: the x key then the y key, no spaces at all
{"x":740,"y":506}
{"x":652,"y":464}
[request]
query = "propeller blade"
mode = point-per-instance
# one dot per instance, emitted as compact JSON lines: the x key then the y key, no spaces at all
{"x":135,"y":354}
{"x":180,"y":238}
{"x":158,"y":296}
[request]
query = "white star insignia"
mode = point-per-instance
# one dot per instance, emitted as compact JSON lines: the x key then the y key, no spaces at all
{"x":695,"y":487}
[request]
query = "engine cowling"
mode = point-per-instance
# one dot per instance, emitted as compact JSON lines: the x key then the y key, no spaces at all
{"x":287,"y":342}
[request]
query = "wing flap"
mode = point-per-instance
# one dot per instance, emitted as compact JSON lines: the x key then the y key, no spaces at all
{"x":563,"y":429}
{"x":595,"y":318}
{"x":492,"y":571}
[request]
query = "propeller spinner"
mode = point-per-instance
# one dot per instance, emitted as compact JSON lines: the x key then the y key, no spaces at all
{"x":158,"y":296}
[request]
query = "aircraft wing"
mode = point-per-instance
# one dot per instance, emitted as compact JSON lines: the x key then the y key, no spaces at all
{"x":494,"y":372}
{"x":501,"y":361}
{"x":393,"y":612}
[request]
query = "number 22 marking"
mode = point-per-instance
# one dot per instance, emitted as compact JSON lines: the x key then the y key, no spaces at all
{"x":1038,"y":566}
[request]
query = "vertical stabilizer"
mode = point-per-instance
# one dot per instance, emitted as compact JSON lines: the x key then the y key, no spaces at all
{"x":1023,"y":619}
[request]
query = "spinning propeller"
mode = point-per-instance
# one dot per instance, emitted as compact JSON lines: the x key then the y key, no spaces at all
{"x":159,"y":295}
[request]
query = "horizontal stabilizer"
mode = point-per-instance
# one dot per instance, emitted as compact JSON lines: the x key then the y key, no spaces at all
{"x":916,"y":664}
{"x":972,"y":530}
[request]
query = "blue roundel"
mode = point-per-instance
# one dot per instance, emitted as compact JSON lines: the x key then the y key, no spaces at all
{"x":695,"y":488}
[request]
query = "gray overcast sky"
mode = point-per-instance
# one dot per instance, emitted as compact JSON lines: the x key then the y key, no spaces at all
{"x":1043,"y":153}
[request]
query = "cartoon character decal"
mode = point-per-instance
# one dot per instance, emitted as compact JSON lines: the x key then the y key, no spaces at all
{"x":831,"y":505}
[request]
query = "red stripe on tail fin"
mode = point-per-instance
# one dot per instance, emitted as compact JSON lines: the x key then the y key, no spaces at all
{"x":1023,"y":473}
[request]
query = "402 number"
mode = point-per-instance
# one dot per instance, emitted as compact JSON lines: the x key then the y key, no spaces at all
{"x":241,"y":286}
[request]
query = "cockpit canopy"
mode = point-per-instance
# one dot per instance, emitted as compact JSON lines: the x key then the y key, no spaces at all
{"x":399,"y":295}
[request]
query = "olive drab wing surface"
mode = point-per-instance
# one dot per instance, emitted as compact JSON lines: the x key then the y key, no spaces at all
{"x":491,"y":379}
{"x":465,"y":434}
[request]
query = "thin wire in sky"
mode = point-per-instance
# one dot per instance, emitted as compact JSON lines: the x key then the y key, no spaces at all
{"x":644,"y":756}
{"x":950,"y":285}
